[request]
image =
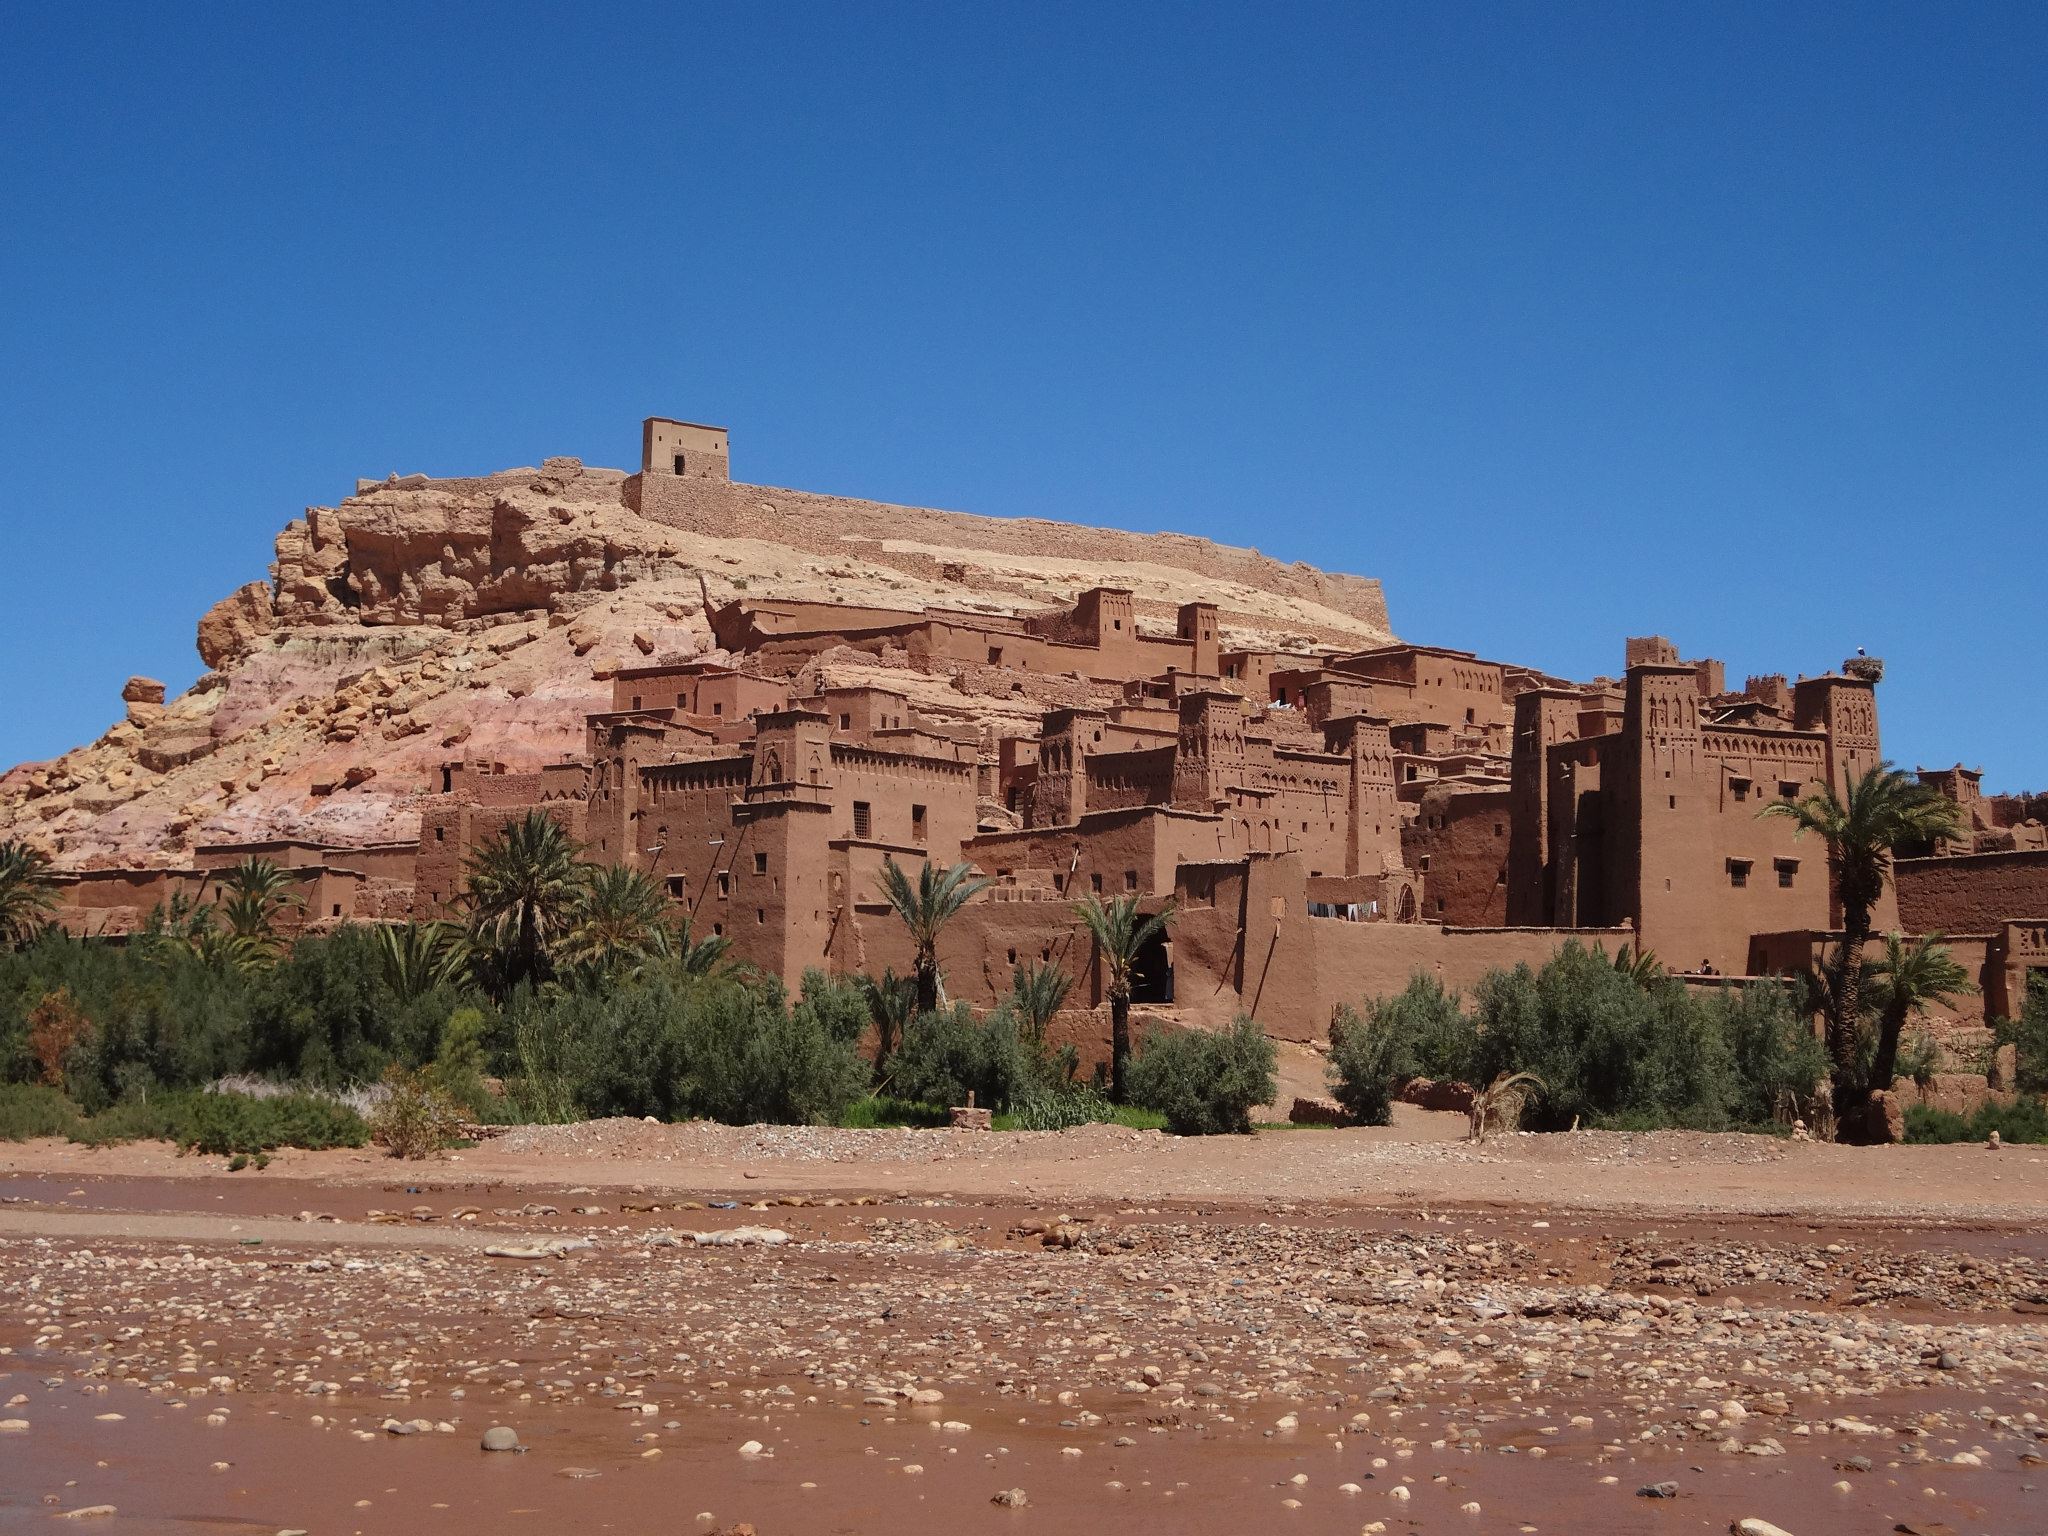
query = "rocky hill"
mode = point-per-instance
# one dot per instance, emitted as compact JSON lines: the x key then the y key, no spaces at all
{"x":422,"y":620}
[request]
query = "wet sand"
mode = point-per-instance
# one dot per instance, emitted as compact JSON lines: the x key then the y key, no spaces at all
{"x":1148,"y":1363}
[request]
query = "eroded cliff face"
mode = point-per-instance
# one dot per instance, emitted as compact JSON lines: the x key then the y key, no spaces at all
{"x":422,"y":620}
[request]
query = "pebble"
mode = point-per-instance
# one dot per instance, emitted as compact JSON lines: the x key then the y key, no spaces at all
{"x":500,"y":1438}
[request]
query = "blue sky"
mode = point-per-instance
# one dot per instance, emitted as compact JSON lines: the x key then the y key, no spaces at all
{"x":1567,"y":322}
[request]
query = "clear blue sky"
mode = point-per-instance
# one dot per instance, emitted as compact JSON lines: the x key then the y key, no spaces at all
{"x":1728,"y":322}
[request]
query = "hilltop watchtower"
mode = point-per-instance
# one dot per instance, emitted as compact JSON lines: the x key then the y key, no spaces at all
{"x":686,"y":448}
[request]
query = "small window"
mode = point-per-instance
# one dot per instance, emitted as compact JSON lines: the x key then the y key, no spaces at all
{"x":1738,"y":872}
{"x":1788,"y":871}
{"x":636,"y":701}
{"x":718,"y":709}
{"x":1013,"y":957}
{"x":337,"y":909}
{"x":760,"y":915}
{"x":846,"y":722}
{"x":863,"y":819}
{"x":1498,"y":830}
{"x":1422,"y":864}
{"x":1130,"y":879}
{"x":678,"y":885}
{"x":1095,"y":883}
{"x":682,"y":701}
{"x":679,"y":463}
{"x":917,"y":832}
{"x":724,"y":884}
{"x":440,"y":834}
{"x":1471,"y":717}
{"x":718,"y":930}
{"x":760,"y":863}
{"x":995,"y":655}
{"x":1673,"y":800}
{"x":1787,"y":790}
{"x":1738,"y":786}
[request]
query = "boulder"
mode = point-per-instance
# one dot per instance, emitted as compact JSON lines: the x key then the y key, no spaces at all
{"x":232,"y":626}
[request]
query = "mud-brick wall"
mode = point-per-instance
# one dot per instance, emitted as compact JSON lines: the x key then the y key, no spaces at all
{"x":1971,"y":893}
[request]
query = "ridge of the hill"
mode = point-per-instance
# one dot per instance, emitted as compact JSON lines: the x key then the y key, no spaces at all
{"x":424,"y":619}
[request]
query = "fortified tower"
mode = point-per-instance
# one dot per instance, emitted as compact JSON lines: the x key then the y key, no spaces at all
{"x":1211,"y":755}
{"x":685,"y":448}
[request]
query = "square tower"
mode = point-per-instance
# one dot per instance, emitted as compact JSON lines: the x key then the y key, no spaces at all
{"x":686,"y":448}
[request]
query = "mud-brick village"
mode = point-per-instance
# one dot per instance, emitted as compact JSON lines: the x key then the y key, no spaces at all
{"x":1053,"y":773}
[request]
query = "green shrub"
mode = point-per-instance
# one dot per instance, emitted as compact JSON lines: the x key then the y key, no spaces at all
{"x":712,"y":1047}
{"x":31,"y":1109}
{"x":1775,"y":1058}
{"x":1612,"y":1047}
{"x":160,"y":1117}
{"x":2023,"y":1122}
{"x":948,"y":1054}
{"x":415,"y":1119}
{"x":227,"y":1123}
{"x":1206,"y":1084}
{"x":2029,"y":1035}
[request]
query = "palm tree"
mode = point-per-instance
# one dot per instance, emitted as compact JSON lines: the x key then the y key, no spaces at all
{"x":525,"y":889}
{"x":258,"y":889}
{"x":692,"y":956}
{"x":1039,"y":992}
{"x":1908,"y":978}
{"x":926,"y":908}
{"x":620,"y":922}
{"x":1121,"y":933}
{"x":1640,"y":966}
{"x":28,"y":893}
{"x":417,"y":958}
{"x":892,"y":1004}
{"x":1883,"y":809}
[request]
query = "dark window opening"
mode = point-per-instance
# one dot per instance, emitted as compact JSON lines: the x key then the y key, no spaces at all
{"x":636,"y":701}
{"x":1130,"y":880}
{"x":995,"y":655}
{"x":679,"y":463}
{"x":760,"y":863}
{"x":724,"y":884}
{"x":1788,"y":870}
{"x":1152,"y":972}
{"x":440,"y":834}
{"x":846,"y":722}
{"x":1738,"y":872}
{"x":917,"y":832}
{"x":863,"y":819}
{"x":760,"y":915}
{"x":1095,"y":883}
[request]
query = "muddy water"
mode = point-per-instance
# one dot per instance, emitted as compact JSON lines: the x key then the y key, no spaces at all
{"x":834,"y":1471}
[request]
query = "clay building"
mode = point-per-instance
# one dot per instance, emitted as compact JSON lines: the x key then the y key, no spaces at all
{"x":1654,"y":820}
